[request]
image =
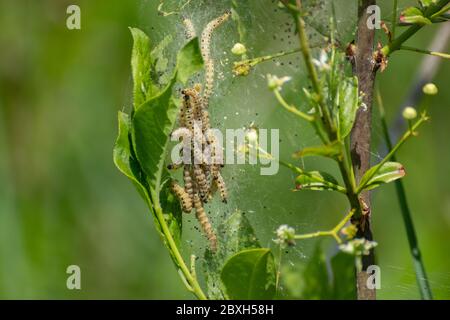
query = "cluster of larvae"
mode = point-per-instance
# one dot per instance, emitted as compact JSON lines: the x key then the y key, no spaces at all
{"x":201,"y":167}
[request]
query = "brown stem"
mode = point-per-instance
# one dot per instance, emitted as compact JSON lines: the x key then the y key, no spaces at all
{"x":361,"y":134}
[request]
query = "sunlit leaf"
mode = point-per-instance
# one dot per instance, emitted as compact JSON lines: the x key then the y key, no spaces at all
{"x":427,"y":3}
{"x":316,"y":180}
{"x":388,"y":172}
{"x":414,"y":15}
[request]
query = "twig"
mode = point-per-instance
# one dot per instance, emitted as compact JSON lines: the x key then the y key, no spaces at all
{"x":431,"y":53}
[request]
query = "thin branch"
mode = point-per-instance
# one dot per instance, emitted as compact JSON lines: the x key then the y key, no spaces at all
{"x":291,"y":108}
{"x":432,"y":53}
{"x":394,"y":18}
{"x":331,"y":233}
{"x":360,"y":138}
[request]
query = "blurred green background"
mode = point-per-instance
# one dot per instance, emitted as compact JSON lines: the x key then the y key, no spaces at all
{"x":62,"y":201}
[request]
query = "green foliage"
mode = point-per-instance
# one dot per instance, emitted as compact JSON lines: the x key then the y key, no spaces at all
{"x":348,"y":104}
{"x":142,"y":143}
{"x":250,"y":274}
{"x":344,"y":279}
{"x":189,"y":61}
{"x":427,"y":3}
{"x":327,"y":150}
{"x":317,"y":180}
{"x":141,"y":63}
{"x":414,"y":15}
{"x":234,"y":234}
{"x":126,"y":162}
{"x":378,"y":175}
{"x":151,"y":140}
{"x":315,"y":281}
{"x":160,"y":73}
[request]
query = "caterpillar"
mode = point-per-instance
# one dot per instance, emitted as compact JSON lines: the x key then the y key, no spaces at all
{"x":205,"y":121}
{"x":206,"y":53}
{"x":205,"y":223}
{"x":207,"y":34}
{"x":222,"y":188}
{"x":189,"y":108}
{"x":203,"y":178}
{"x":183,"y":196}
{"x":202,"y":183}
{"x":187,"y":178}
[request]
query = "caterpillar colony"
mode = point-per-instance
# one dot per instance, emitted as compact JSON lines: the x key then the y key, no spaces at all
{"x":201,"y":175}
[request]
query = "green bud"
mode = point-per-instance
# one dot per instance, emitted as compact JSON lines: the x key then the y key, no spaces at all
{"x":239,"y":49}
{"x":430,"y":89}
{"x":409,"y":113}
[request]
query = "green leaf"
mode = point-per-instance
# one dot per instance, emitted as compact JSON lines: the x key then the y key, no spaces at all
{"x":312,"y":280}
{"x":316,"y":180}
{"x":237,"y":234}
{"x":427,"y":3}
{"x":173,"y":214}
{"x":414,"y":15}
{"x":141,"y":66}
{"x":234,"y":234}
{"x":127,"y":164}
{"x":189,"y":60}
{"x":122,"y":155}
{"x":344,"y":279}
{"x":348,"y":104}
{"x":250,"y":274}
{"x":154,"y":120}
{"x":378,"y":175}
{"x":152,"y":124}
{"x":330,"y":151}
{"x":309,"y":281}
{"x":161,"y":74}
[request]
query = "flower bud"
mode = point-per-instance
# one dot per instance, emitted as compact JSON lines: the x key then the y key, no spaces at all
{"x":430,"y":89}
{"x":239,"y":49}
{"x":409,"y":113}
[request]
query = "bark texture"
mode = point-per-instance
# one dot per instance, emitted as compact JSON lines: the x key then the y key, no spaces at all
{"x":365,"y":70}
